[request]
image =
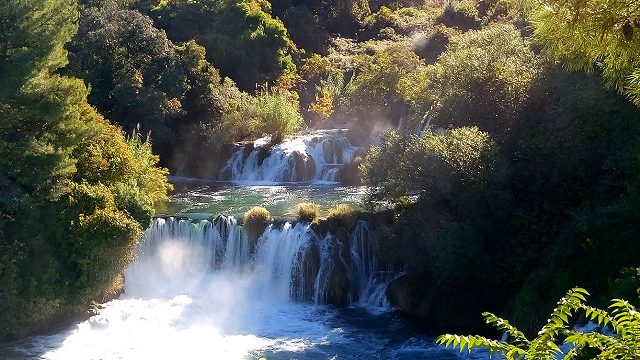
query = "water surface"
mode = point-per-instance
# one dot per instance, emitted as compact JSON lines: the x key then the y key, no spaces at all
{"x":193,"y":197}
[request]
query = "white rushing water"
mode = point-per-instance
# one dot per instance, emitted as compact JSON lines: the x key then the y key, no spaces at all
{"x":316,"y":157}
{"x":290,"y":262}
{"x":200,"y":290}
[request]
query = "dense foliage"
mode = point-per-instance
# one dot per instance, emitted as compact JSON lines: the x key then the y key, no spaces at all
{"x":553,"y":188}
{"x":241,"y":37}
{"x":513,"y":178}
{"x":481,"y":79}
{"x":438,"y":164}
{"x":75,"y":192}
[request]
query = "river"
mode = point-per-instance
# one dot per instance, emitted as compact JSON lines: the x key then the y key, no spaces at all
{"x":200,"y":290}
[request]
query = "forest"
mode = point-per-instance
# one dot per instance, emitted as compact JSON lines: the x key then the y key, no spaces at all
{"x":508,"y":141}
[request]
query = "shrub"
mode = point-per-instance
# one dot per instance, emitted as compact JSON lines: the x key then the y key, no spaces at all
{"x":402,"y":20}
{"x":431,"y":162}
{"x":277,"y":115}
{"x":380,"y":164}
{"x":374,"y":89}
{"x":308,"y":212}
{"x":343,"y":215}
{"x":255,"y":222}
{"x":434,"y":44}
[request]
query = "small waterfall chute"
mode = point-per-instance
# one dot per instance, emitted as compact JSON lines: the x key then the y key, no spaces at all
{"x":314,"y":157}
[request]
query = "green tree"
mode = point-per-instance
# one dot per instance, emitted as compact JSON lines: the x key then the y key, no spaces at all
{"x":75,"y":194}
{"x":482,"y":79}
{"x":143,"y":81}
{"x":133,"y":71}
{"x":374,"y":90}
{"x":436,"y":164}
{"x":591,"y":35}
{"x":242,"y":38}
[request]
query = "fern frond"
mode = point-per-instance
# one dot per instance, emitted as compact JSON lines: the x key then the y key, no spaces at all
{"x":592,"y":339}
{"x":470,"y":342}
{"x":600,"y":316}
{"x":626,"y":316}
{"x":516,"y":336}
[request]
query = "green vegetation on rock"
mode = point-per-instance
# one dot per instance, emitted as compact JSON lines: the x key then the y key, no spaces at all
{"x":308,"y":212}
{"x":255,"y":222}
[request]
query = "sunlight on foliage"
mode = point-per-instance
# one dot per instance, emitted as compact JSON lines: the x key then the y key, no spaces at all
{"x":622,"y":318}
{"x":602,"y":35}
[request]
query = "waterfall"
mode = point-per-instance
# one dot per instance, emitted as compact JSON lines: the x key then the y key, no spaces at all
{"x":314,"y":157}
{"x":290,"y":261}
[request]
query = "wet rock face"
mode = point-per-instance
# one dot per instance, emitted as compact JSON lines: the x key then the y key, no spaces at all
{"x":311,"y":266}
{"x":333,"y":151}
{"x":247,"y":149}
{"x":303,"y":167}
{"x":405,"y":293}
{"x":263,"y":154}
{"x":339,"y":285}
{"x":350,"y":174}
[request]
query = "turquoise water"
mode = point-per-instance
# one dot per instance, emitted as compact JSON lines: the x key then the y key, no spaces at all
{"x":200,"y":198}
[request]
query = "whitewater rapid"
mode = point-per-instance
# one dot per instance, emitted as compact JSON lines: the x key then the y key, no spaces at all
{"x":201,"y":290}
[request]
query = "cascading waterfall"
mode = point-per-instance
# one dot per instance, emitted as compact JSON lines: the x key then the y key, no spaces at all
{"x":202,"y":290}
{"x":314,"y":157}
{"x":290,"y":261}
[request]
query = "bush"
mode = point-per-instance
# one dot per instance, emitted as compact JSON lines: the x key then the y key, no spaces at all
{"x":434,"y":44}
{"x":308,"y":212}
{"x":277,"y":115}
{"x":343,"y":215}
{"x":255,"y":222}
{"x":373,"y":92}
{"x":404,"y":21}
{"x":437,"y":164}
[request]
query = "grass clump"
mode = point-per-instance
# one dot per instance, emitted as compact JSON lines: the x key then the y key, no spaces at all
{"x":255,"y":222}
{"x":308,"y":212}
{"x":343,"y":215}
